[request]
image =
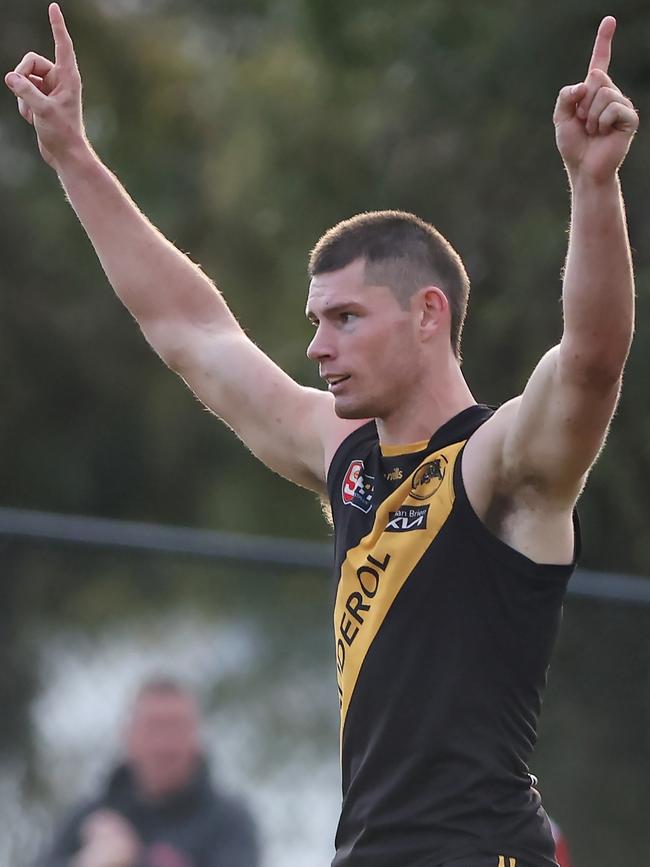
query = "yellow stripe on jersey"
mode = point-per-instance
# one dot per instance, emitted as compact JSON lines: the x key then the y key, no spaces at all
{"x":390,"y":451}
{"x":374,"y":571}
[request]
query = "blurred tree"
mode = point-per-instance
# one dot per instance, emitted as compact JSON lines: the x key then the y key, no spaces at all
{"x":244,"y":130}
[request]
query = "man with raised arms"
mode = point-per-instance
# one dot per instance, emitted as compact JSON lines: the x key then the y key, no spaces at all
{"x":454,"y":523}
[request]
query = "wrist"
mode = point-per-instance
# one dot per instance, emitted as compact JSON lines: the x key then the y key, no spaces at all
{"x":77,"y":156}
{"x":583,"y":181}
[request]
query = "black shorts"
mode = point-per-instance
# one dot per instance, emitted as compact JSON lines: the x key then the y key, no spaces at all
{"x":487,"y":861}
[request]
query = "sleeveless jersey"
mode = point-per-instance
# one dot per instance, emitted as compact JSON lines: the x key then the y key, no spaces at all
{"x":443,"y":635}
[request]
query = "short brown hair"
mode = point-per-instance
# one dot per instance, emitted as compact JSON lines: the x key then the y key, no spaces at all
{"x":402,"y":252}
{"x":164,"y":684}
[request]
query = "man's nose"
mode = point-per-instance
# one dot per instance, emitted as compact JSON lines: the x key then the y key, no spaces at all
{"x":320,"y":347}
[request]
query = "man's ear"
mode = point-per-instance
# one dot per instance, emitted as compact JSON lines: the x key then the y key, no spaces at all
{"x":433,"y":310}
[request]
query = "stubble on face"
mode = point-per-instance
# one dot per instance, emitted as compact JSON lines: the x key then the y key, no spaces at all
{"x":384,"y":374}
{"x":376,"y":352}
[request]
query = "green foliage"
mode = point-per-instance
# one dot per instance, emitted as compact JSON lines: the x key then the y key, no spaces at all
{"x":244,"y":131}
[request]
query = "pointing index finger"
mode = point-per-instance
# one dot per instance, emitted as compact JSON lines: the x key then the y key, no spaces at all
{"x":602,"y":53}
{"x":63,"y":48}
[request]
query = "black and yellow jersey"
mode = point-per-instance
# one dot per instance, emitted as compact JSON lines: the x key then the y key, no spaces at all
{"x":443,"y":635}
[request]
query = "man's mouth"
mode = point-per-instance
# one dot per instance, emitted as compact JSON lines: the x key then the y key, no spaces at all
{"x":335,"y":379}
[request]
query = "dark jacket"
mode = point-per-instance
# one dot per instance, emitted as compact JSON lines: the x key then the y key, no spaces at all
{"x":196,"y":827}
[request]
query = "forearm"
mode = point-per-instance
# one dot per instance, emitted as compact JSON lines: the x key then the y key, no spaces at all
{"x":151,"y":277}
{"x":598,"y":291}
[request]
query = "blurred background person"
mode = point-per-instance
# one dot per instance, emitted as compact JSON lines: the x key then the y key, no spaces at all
{"x":159,"y":807}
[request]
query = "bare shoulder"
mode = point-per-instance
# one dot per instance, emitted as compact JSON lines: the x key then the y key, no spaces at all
{"x":512,"y":506}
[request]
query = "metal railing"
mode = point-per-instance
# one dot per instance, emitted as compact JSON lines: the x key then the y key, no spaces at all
{"x":50,"y":528}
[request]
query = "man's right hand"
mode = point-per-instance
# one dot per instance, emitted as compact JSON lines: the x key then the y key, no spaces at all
{"x":49,"y":94}
{"x":292,"y":429}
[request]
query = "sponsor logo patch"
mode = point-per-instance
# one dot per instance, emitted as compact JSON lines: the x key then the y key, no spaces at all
{"x":407,"y":518}
{"x":357,"y":489}
{"x":428,"y":478}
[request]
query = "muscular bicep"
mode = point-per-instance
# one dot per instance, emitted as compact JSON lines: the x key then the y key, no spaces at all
{"x":555,"y":430}
{"x":290,"y":428}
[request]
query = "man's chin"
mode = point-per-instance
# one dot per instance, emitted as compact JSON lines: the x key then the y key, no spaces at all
{"x":350,"y":410}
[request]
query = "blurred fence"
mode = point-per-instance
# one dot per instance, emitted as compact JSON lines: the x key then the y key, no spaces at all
{"x":247,"y":620}
{"x":263,"y":551}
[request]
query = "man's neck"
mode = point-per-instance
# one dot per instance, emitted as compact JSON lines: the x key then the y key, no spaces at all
{"x":424,"y":411}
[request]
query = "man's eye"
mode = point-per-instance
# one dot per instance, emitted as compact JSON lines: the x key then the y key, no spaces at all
{"x":346,"y":317}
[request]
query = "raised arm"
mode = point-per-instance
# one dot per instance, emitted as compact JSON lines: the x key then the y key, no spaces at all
{"x":545,"y":441}
{"x":183,"y":316}
{"x":564,"y":413}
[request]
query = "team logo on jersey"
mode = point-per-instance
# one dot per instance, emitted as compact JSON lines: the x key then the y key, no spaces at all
{"x":357,"y":489}
{"x":428,"y":478}
{"x":407,"y":518}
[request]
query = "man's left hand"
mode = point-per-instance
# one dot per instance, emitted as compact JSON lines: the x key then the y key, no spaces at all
{"x":109,"y":841}
{"x":594,"y":121}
